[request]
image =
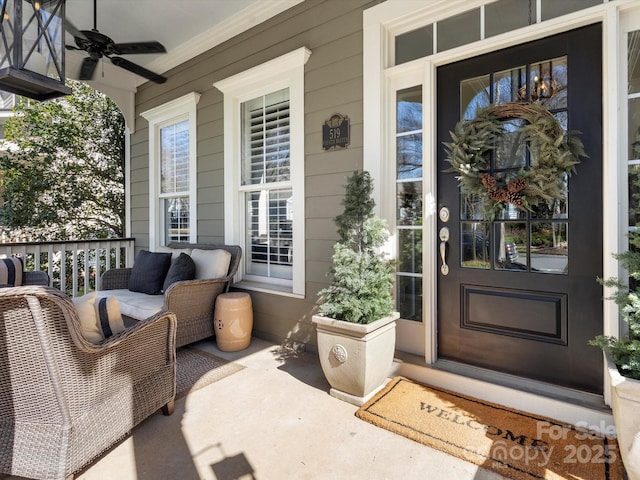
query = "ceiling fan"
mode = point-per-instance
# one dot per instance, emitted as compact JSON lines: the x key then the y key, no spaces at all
{"x":98,"y":45}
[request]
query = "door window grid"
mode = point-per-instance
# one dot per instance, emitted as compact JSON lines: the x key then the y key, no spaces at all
{"x":409,"y":130}
{"x":534,"y":241}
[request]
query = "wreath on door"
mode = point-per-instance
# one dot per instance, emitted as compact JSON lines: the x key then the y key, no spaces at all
{"x":554,"y":154}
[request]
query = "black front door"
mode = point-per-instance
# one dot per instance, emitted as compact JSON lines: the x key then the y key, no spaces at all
{"x":521,"y":295}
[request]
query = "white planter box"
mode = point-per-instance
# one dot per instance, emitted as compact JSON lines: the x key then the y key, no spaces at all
{"x":625,"y":403}
{"x":356,"y":358}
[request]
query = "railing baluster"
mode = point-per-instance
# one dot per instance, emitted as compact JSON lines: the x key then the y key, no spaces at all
{"x":87,"y":268}
{"x":56,"y":256}
{"x":118,"y":254}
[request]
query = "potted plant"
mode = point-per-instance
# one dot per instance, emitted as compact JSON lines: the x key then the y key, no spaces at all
{"x":622,"y":356}
{"x":356,"y":324}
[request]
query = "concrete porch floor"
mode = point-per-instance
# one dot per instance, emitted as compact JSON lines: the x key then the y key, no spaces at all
{"x":272,"y":420}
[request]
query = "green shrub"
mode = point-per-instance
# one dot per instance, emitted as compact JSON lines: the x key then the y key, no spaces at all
{"x":362,"y":279}
{"x":625,"y":351}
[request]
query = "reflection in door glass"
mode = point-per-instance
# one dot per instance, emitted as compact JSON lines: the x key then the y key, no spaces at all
{"x":474,"y":95}
{"x":409,"y":156}
{"x":633,"y":127}
{"x":531,"y":238}
{"x":633,"y":63}
{"x":475,"y":245}
{"x":511,"y":152}
{"x":634,"y":194}
{"x":409,"y":203}
{"x":548,"y":83}
{"x":557,"y":210}
{"x":510,"y":241}
{"x":549,"y":247}
{"x":409,"y":297}
{"x":409,"y":130}
{"x":509,"y":85}
{"x":410,"y":251}
{"x":471,"y":207}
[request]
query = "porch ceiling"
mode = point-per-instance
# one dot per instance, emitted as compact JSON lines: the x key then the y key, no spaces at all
{"x":186,"y":29}
{"x":183,"y":27}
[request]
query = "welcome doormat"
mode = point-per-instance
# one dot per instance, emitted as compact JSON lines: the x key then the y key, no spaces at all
{"x":514,"y":444}
{"x":196,"y":369}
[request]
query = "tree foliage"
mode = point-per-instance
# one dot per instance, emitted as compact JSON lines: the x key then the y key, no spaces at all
{"x":625,"y":351}
{"x":65,"y":179}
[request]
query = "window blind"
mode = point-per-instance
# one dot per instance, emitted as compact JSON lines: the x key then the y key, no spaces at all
{"x":174,"y":157}
{"x":266,"y":139}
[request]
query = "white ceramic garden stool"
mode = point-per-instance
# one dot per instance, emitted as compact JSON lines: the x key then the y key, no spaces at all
{"x":233,"y":321}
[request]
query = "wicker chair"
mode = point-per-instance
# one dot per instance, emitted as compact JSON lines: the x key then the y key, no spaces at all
{"x":63,"y":400}
{"x":191,"y":300}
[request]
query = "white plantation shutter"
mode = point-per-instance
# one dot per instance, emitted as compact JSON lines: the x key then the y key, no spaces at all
{"x":266,"y":180}
{"x":175,"y":181}
{"x":174,"y":158}
{"x":266,"y":145}
{"x":264,"y":159}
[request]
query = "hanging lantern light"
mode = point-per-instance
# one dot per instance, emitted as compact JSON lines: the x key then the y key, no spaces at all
{"x":32,"y":35}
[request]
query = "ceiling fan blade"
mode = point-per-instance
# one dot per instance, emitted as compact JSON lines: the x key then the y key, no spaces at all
{"x":137,"y":69}
{"x":69,"y":27}
{"x":87,"y":68}
{"x":138,"y":47}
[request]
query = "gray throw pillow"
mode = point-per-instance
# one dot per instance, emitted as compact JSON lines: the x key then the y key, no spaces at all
{"x":149,"y":271}
{"x":182,"y":268}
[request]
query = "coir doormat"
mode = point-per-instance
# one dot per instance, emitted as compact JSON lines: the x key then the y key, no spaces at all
{"x":514,"y":444}
{"x":196,"y":369}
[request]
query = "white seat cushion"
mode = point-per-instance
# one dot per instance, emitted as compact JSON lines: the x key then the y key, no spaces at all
{"x":135,"y":304}
{"x":211,"y":263}
{"x":175,"y":252}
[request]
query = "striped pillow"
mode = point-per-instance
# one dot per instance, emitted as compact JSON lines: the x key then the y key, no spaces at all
{"x":108,"y":316}
{"x":11,"y":271}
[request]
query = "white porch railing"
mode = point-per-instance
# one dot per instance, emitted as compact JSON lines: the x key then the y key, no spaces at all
{"x":73,"y":266}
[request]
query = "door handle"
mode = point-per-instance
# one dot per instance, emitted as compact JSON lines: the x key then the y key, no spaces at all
{"x":444,"y":239}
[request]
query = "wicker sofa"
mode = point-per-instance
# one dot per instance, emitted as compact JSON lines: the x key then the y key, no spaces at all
{"x":64,"y":400}
{"x":192,"y":301}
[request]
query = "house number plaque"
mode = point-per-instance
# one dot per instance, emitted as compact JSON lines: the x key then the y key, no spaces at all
{"x":335,"y":132}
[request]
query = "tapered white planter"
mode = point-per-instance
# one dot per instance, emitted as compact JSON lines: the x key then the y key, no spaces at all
{"x":356,"y":358}
{"x":625,"y":403}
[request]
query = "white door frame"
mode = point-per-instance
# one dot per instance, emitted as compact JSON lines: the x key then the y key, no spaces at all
{"x":381,"y":79}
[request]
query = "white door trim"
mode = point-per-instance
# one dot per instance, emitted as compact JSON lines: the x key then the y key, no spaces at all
{"x":381,"y":22}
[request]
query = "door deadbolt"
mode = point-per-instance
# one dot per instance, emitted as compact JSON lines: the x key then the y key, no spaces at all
{"x":444,"y":214}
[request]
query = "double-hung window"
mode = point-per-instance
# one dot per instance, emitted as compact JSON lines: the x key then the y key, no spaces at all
{"x":264,"y":172}
{"x":266,"y":183}
{"x":172,"y":171}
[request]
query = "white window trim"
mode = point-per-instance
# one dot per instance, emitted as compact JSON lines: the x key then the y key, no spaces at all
{"x":286,"y":71}
{"x":182,"y":108}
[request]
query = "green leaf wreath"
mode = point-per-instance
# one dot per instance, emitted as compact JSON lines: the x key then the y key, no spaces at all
{"x":553,"y":151}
